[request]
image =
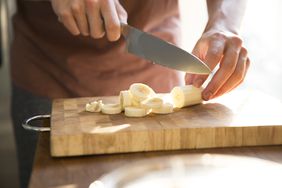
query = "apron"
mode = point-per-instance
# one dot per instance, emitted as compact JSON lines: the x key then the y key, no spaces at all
{"x":48,"y":61}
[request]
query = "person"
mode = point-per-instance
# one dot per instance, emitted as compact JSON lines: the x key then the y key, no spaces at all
{"x":74,"y":48}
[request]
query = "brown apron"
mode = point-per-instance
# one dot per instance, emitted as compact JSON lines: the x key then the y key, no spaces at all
{"x":48,"y":61}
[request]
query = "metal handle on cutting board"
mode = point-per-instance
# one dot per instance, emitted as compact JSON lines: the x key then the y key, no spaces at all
{"x":26,"y":123}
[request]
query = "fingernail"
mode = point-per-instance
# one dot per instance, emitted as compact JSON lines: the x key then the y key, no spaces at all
{"x":198,"y":83}
{"x":85,"y":34}
{"x":207,"y":95}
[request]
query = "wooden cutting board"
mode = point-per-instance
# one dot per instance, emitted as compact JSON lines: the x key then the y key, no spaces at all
{"x":241,"y":118}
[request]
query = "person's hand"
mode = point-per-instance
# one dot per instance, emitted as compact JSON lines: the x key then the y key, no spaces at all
{"x":226,"y":49}
{"x":91,"y":17}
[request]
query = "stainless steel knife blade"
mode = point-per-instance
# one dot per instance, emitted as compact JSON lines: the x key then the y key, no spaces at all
{"x":161,"y":52}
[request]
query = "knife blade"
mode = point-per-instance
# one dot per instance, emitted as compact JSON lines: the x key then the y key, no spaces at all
{"x":161,"y":52}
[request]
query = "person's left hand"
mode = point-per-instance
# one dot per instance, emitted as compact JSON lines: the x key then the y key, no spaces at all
{"x":226,"y":49}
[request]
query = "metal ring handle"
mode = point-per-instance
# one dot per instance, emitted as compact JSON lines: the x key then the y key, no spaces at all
{"x":27,"y":126}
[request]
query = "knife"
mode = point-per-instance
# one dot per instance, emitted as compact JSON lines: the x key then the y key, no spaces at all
{"x":161,"y":52}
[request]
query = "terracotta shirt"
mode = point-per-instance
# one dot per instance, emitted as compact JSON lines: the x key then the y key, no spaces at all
{"x":48,"y":61}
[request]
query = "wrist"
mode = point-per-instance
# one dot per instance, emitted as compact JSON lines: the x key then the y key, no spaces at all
{"x":221,"y":25}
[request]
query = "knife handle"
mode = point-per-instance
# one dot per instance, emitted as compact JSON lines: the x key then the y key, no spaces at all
{"x":124,"y":29}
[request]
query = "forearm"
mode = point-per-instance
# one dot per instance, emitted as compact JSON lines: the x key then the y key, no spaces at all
{"x":225,"y":14}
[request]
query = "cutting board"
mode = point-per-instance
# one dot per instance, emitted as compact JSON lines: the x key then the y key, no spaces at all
{"x":241,"y":118}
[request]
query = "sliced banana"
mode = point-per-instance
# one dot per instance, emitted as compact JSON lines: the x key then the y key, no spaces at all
{"x":94,"y":106}
{"x":153,"y":102}
{"x":166,"y":108}
{"x":166,"y":97}
{"x":136,"y":103}
{"x":188,"y":95}
{"x":140,"y":100}
{"x":111,"y":108}
{"x":141,"y":91}
{"x":125,"y":98}
{"x":135,"y":112}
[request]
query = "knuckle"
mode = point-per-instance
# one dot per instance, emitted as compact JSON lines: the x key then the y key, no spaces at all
{"x":76,"y":8}
{"x":236,"y":40}
{"x":92,"y":2}
{"x":219,"y":35}
{"x":236,"y":51}
{"x":65,"y":14}
{"x":215,"y":53}
{"x":244,"y":51}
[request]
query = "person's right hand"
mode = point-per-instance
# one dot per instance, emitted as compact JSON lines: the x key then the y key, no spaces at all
{"x":91,"y":17}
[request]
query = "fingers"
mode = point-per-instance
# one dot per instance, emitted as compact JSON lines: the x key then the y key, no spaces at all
{"x":69,"y":22}
{"x":248,"y":63}
{"x":212,"y":53}
{"x":78,"y":11}
{"x":91,"y":17}
{"x":223,"y":49}
{"x":200,"y":54}
{"x":227,"y":67}
{"x":95,"y":20}
{"x":111,"y":20}
{"x":237,"y":76}
{"x":105,"y":16}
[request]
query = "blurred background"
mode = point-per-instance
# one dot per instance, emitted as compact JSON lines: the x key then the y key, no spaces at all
{"x":261,"y":31}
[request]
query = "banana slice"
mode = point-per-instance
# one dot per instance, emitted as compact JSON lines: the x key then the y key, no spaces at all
{"x":125,"y":98}
{"x":166,"y":108}
{"x":141,"y":91}
{"x":136,"y":103}
{"x":111,"y":108}
{"x":186,"y":96}
{"x":166,"y":97}
{"x":140,"y":100}
{"x":153,"y":102}
{"x":94,"y":106}
{"x":135,"y":112}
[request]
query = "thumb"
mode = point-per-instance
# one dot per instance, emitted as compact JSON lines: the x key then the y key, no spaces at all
{"x":122,"y":14}
{"x":199,"y":51}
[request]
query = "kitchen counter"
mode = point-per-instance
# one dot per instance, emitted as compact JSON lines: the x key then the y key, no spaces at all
{"x":76,"y":172}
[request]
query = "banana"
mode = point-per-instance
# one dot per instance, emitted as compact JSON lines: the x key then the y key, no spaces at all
{"x":141,"y":91}
{"x":166,"y":97}
{"x":140,"y":100}
{"x":136,"y":103}
{"x":125,"y":98}
{"x":153,"y":102}
{"x":94,"y":106}
{"x":166,"y":108}
{"x":111,"y":108}
{"x":135,"y":112}
{"x":188,"y":95}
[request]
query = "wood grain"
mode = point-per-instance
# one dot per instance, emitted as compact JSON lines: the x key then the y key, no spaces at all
{"x":242,"y":118}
